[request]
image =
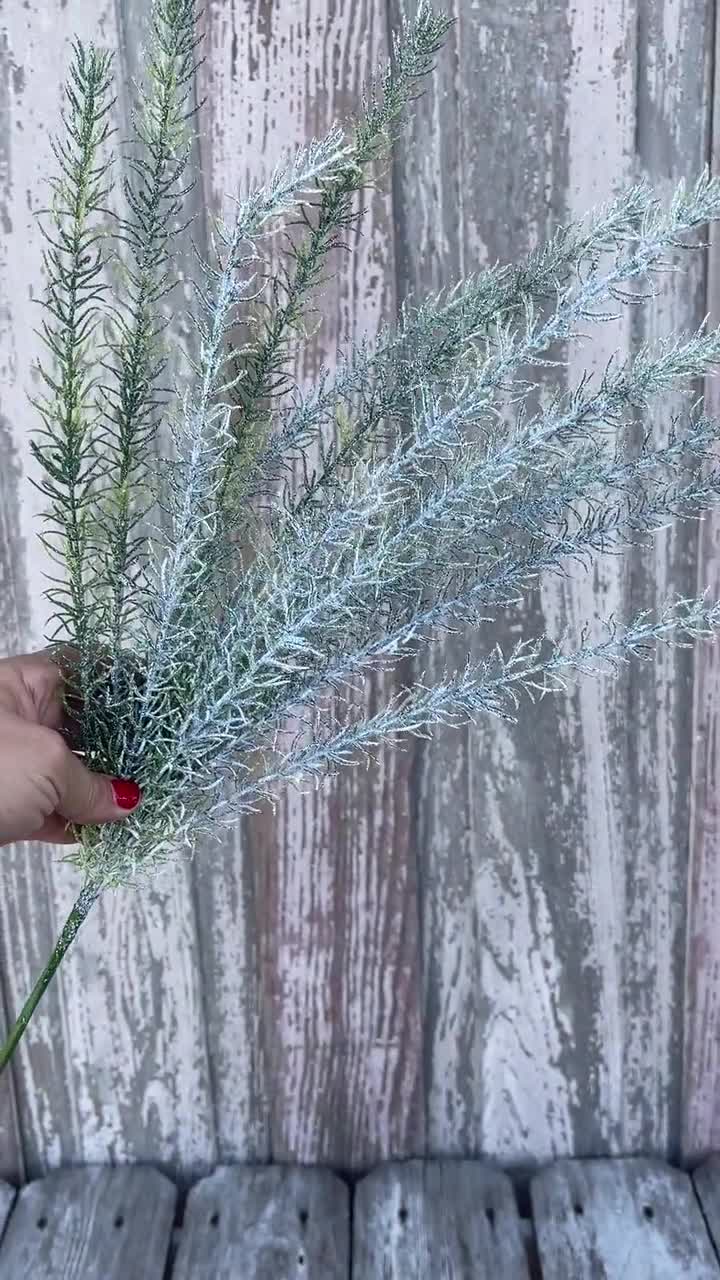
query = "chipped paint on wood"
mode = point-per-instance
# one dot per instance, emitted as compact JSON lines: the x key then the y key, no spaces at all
{"x":551,"y":904}
{"x":90,"y":1222}
{"x":14,"y":603}
{"x":333,"y":872}
{"x":445,"y":1218}
{"x":657,"y":1229}
{"x":701,"y":1029}
{"x":269,"y":1223}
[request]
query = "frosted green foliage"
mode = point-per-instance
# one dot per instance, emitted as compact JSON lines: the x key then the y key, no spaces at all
{"x":73,"y":262}
{"x":491,"y":687}
{"x":156,"y":167}
{"x":328,"y":228}
{"x":438,"y":480}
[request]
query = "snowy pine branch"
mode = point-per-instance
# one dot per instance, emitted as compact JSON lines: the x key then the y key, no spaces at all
{"x":448,"y":479}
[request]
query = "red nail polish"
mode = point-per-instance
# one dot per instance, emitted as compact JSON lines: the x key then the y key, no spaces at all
{"x":127,"y":794}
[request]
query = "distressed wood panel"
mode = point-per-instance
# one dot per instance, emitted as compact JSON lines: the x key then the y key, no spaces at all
{"x":609,"y":1220}
{"x":552,"y":890}
{"x":223,"y":876}
{"x":652,"y":714}
{"x":270,"y":1000}
{"x":90,"y":1224}
{"x":114,"y":1065}
{"x":27,"y":914}
{"x":334,"y":887}
{"x":502,"y":1014}
{"x":418,"y":1221}
{"x":701,"y":1113}
{"x":266,"y":1224}
{"x":14,"y":599}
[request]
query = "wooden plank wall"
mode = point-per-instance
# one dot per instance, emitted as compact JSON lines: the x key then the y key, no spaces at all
{"x":500,"y":943}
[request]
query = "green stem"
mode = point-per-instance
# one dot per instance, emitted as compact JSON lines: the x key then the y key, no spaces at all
{"x":69,"y":931}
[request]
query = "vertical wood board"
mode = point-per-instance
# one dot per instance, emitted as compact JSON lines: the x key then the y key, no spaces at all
{"x":701,"y":1030}
{"x":333,"y":873}
{"x":653,"y":715}
{"x":552,"y":887}
{"x":15,"y":608}
{"x":506,"y":1004}
{"x":113,"y":1065}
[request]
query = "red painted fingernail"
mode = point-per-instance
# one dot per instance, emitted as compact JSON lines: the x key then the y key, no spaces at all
{"x":127,"y":794}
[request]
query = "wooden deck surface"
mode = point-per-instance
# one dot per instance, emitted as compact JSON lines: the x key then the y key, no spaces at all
{"x":630,"y":1219}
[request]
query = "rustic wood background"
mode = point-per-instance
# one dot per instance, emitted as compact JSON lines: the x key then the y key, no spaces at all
{"x":504,"y":942}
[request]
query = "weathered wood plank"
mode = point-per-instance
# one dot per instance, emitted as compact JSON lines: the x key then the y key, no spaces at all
{"x":7,"y":1195}
{"x":552,"y":902}
{"x":612,"y":1219}
{"x":420,"y":1220}
{"x":14,"y":600}
{"x":334,"y":890}
{"x":503,"y":839}
{"x":706,"y":1180}
{"x":223,"y":876}
{"x":701,"y":1109}
{"x":653,"y":706}
{"x":27,"y":913}
{"x":265,"y":1224}
{"x":114,"y":1064}
{"x":90,"y":1224}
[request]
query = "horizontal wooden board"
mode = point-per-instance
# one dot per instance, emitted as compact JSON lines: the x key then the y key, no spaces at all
{"x":418,"y":1221}
{"x":613,"y":1219}
{"x":265,"y":1224}
{"x":90,"y":1224}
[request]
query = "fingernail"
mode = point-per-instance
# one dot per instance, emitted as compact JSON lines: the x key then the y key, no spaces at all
{"x":127,"y":794}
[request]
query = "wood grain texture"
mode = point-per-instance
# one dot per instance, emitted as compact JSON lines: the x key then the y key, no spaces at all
{"x":453,"y":1218}
{"x":701,"y":1112}
{"x":266,"y":1224}
{"x":653,"y":718}
{"x":114,"y":1065}
{"x":609,"y":1220}
{"x":14,"y":597}
{"x":511,"y":894}
{"x":552,"y":854}
{"x":90,"y":1224}
{"x":27,"y":909}
{"x":333,"y":891}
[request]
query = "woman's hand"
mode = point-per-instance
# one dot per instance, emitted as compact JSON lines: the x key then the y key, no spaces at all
{"x":44,"y":786}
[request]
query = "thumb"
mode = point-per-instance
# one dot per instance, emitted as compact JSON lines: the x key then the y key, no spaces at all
{"x":93,"y":797}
